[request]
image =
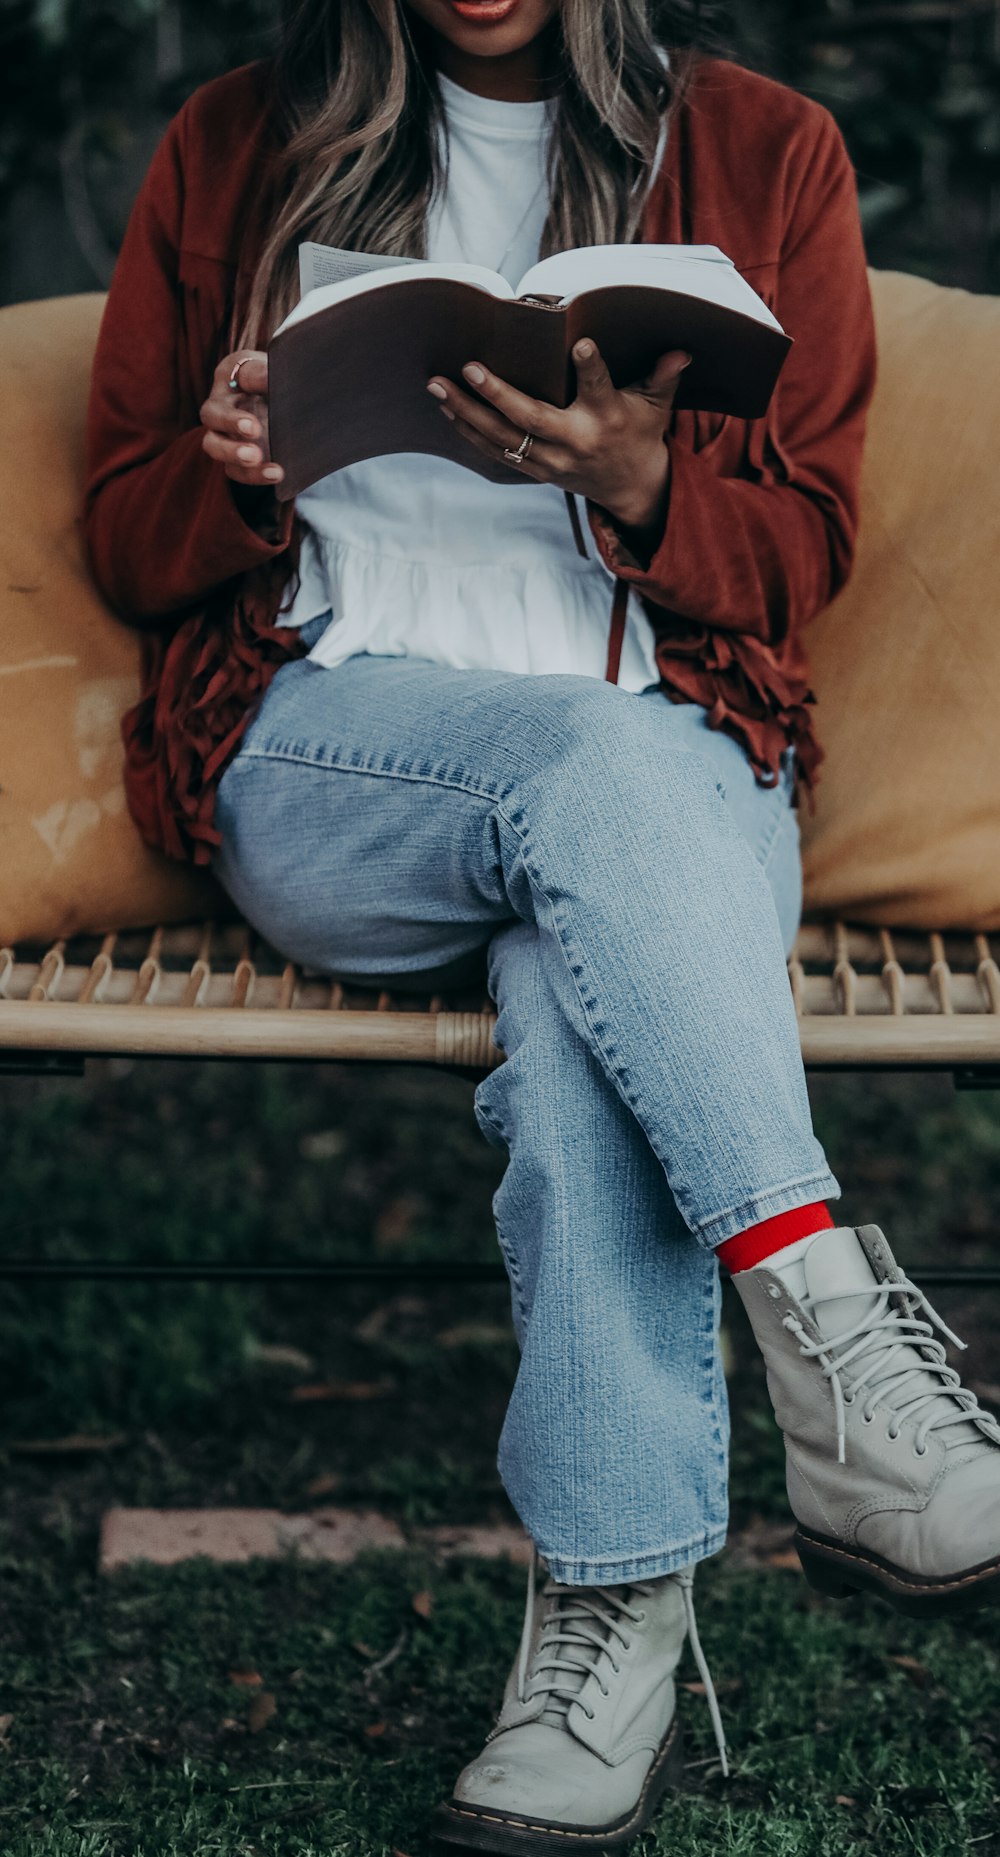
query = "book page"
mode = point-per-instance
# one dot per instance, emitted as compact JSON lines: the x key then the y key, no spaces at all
{"x":328,"y":264}
{"x":566,"y":273}
{"x":695,"y":270}
{"x":391,"y":277}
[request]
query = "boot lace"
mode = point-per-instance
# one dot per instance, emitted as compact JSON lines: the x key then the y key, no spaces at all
{"x":582,"y":1631}
{"x":878,"y":1343}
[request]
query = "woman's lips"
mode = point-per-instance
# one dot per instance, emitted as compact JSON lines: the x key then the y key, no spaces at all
{"x":484,"y":12}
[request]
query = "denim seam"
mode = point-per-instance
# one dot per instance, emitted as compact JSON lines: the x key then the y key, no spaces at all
{"x":749,"y":1210}
{"x":275,"y":752}
{"x":654,"y":1564}
{"x":588,"y":1004}
{"x":767,"y":849}
{"x":606,"y":1053}
{"x":507,"y":1249}
{"x":710,"y":1363}
{"x":513,"y":1271}
{"x":787,"y":826}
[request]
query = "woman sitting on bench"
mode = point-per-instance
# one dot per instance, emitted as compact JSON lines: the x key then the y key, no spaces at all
{"x":382,"y":714}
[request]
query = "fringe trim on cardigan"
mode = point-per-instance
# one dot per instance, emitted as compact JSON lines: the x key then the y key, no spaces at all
{"x":201,"y":687}
{"x":745,"y":692}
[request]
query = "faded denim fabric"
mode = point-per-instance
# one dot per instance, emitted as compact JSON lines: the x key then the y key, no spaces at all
{"x":635,"y":892}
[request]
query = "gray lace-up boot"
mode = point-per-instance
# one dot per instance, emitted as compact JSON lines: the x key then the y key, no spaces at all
{"x":893,"y":1466}
{"x":587,"y":1741}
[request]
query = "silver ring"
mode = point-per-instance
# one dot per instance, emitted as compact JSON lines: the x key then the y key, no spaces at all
{"x":234,"y":378}
{"x":518,"y":456}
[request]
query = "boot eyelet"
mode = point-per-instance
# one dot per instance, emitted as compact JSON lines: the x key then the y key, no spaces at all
{"x":589,"y":1714}
{"x":774,"y":1290}
{"x":892,"y":1436}
{"x":849,"y":1399}
{"x":640,"y":1618}
{"x":627,"y":1644}
{"x":919,"y":1452}
{"x":867,"y":1418}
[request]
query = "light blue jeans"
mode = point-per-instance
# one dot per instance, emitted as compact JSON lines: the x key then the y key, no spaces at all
{"x":636,"y":891}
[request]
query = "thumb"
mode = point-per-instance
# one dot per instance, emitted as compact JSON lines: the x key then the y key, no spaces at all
{"x":662,"y":381}
{"x":593,"y":382}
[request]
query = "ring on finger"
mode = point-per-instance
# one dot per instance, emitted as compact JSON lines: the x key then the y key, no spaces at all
{"x":233,"y":382}
{"x":522,"y":452}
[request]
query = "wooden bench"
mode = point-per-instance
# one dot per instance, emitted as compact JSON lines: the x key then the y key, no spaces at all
{"x":866,"y":999}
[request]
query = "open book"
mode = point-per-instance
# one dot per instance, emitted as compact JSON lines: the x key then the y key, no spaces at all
{"x":349,"y":366}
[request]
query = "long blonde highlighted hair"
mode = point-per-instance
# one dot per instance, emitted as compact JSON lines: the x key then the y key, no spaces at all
{"x":355,"y":109}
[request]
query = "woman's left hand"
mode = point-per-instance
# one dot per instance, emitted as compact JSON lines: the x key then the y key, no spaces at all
{"x":607,"y":446}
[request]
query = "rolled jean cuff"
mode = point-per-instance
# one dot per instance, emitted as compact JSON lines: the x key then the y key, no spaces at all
{"x":651,"y":1566}
{"x":722,"y":1225}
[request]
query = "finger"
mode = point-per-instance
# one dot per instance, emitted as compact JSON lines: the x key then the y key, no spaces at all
{"x":532,"y":466}
{"x":594,"y":384}
{"x":248,"y":461}
{"x":465,"y":406}
{"x":662,"y":381}
{"x":252,"y":375}
{"x":254,"y":480}
{"x":229,"y":418}
{"x":525,"y":413}
{"x":231,"y":451}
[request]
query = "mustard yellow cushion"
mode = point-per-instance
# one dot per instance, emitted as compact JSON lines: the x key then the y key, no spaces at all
{"x":907,"y":660}
{"x":70,"y":857}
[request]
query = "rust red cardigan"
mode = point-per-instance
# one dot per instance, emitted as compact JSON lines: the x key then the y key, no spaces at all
{"x":760,"y":529}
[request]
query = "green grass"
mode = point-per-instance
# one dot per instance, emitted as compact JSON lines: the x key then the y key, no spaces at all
{"x":128,"y":1738}
{"x":129,"y":1735}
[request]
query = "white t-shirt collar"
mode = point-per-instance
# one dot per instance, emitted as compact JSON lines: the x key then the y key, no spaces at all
{"x":492,"y":114}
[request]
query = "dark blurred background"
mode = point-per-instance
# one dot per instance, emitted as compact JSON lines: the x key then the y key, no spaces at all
{"x":120,"y":1727}
{"x":87,"y":86}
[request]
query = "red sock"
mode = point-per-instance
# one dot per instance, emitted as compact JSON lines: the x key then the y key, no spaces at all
{"x":760,"y":1241}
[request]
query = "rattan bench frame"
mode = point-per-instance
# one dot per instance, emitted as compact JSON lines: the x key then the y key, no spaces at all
{"x":866,"y":999}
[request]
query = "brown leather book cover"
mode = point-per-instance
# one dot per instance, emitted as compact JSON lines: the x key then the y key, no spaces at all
{"x":350,"y":381}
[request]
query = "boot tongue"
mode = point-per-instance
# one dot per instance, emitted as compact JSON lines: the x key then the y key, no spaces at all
{"x":843,"y":1289}
{"x":840,"y":1282}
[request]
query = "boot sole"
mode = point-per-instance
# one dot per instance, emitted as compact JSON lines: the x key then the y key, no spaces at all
{"x":839,"y":1571}
{"x":510,"y":1834}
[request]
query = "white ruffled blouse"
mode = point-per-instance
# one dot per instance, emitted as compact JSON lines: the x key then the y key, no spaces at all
{"x":415,"y":556}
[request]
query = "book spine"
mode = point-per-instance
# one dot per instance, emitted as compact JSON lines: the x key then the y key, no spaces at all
{"x":530,"y":350}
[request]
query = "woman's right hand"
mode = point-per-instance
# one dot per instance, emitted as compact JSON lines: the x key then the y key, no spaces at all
{"x":236,"y":432}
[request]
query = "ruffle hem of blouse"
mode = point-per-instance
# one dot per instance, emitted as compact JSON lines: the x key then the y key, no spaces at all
{"x":203,"y":683}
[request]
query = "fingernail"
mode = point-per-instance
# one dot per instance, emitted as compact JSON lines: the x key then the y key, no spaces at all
{"x":273,"y":472}
{"x":247,"y":454}
{"x":474,"y":373}
{"x":686,"y":363}
{"x":584,"y":350}
{"x":447,"y":412}
{"x":245,"y":425}
{"x":435,"y":387}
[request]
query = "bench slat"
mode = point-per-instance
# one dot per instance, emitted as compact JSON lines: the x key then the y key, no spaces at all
{"x":864,"y":997}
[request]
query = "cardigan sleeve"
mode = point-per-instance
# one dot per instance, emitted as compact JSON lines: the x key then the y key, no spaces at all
{"x":764,"y":553}
{"x":160,"y":521}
